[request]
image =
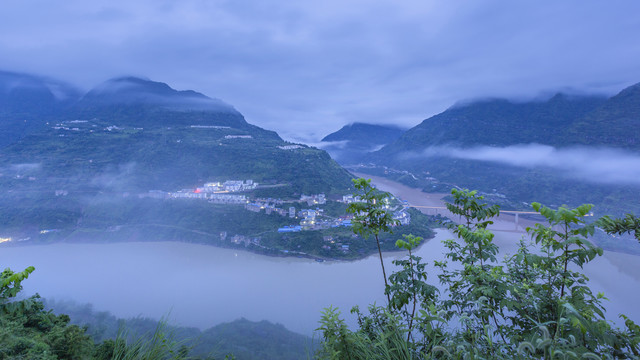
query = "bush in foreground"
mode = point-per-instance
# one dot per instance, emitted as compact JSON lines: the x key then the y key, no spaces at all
{"x":534,"y":304}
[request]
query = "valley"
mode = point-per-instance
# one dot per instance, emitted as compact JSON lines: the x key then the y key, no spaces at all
{"x":290,"y":291}
{"x":190,"y":209}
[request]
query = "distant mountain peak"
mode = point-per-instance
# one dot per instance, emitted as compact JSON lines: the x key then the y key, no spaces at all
{"x":556,"y":97}
{"x":359,"y":131}
{"x":10,"y":82}
{"x":353,"y":141}
{"x":139,"y":90}
{"x":139,"y":85}
{"x":630,"y":90}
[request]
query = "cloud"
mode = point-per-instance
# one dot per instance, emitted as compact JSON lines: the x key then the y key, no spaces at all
{"x":306,"y":68}
{"x":598,"y":165}
{"x":23,"y":168}
{"x":113,"y":179}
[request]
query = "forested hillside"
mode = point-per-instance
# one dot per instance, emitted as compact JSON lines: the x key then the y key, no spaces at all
{"x":69,"y":158}
{"x":525,"y":151}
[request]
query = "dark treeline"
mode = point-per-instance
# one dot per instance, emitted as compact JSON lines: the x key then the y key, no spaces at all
{"x":37,"y":328}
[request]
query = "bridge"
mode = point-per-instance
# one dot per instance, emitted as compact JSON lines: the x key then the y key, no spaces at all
{"x":442,"y":210}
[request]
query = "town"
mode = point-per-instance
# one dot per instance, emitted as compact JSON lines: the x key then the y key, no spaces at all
{"x":312,"y":218}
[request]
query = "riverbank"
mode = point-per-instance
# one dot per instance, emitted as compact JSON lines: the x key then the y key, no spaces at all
{"x":332,"y":244}
{"x":434,"y":203}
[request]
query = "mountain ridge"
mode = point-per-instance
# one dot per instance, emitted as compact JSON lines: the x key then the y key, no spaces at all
{"x":496,"y":122}
{"x":425,"y":155}
{"x":93,"y":161}
{"x":353,"y":141}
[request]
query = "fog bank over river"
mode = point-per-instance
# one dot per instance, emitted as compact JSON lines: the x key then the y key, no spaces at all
{"x":203,"y":285}
{"x":200,"y":285}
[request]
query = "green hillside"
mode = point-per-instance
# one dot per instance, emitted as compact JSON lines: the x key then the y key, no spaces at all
{"x":498,"y":122}
{"x":94,"y":163}
{"x":615,"y":123}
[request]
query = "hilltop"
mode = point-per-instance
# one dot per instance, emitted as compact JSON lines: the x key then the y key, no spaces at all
{"x":353,"y":141}
{"x":27,"y":102}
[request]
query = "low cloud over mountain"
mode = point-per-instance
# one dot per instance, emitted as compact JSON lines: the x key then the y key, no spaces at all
{"x":599,"y":165}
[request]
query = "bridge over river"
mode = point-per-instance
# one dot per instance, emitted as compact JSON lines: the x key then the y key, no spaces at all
{"x":433,"y":204}
{"x":509,"y":220}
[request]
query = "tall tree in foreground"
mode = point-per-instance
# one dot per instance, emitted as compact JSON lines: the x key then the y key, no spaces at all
{"x":534,"y":304}
{"x":372,"y":216}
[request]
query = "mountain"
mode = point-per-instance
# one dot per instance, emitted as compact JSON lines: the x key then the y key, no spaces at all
{"x":614,"y":123}
{"x":166,"y":139}
{"x":92,"y":164}
{"x":443,"y":150}
{"x":27,"y":102}
{"x":132,"y":101}
{"x":498,"y":122}
{"x":361,"y":133}
{"x":243,"y":338}
{"x":353,"y":141}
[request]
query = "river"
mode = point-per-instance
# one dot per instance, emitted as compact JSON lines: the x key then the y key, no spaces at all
{"x":199,"y":285}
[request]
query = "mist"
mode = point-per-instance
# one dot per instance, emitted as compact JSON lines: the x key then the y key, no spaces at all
{"x":597,"y":165}
{"x":196,"y":285}
{"x":113,"y":179}
{"x":22,"y":168}
{"x":202,"y":286}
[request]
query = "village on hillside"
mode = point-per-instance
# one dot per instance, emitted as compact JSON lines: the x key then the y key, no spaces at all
{"x":312,"y":218}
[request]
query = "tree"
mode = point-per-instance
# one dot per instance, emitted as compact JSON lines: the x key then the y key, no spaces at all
{"x":535,"y":304}
{"x":10,"y":282}
{"x":371,"y":216}
{"x":628,"y":224}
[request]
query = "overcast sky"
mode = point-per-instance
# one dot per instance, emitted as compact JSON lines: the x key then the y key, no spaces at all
{"x":305,"y":68}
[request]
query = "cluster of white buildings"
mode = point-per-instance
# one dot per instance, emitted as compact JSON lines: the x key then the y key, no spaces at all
{"x":268,"y":208}
{"x":228,"y":186}
{"x":215,"y":192}
{"x":402,"y":216}
{"x":211,"y":197}
{"x":290,"y":147}
{"x":66,"y":128}
{"x":348,"y":199}
{"x":317,"y":199}
{"x":238,"y":137}
{"x":209,"y":127}
{"x":65,"y":125}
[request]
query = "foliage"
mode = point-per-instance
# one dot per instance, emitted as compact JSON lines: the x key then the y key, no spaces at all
{"x":30,"y":332}
{"x":246,"y":340}
{"x":341,"y":343}
{"x":371,"y":215}
{"x":534,"y":304}
{"x":409,"y":285}
{"x":160,"y":345}
{"x":628,"y":224}
{"x":10,"y":282}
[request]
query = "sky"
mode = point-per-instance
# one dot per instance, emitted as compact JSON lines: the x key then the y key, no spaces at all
{"x":306,"y":68}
